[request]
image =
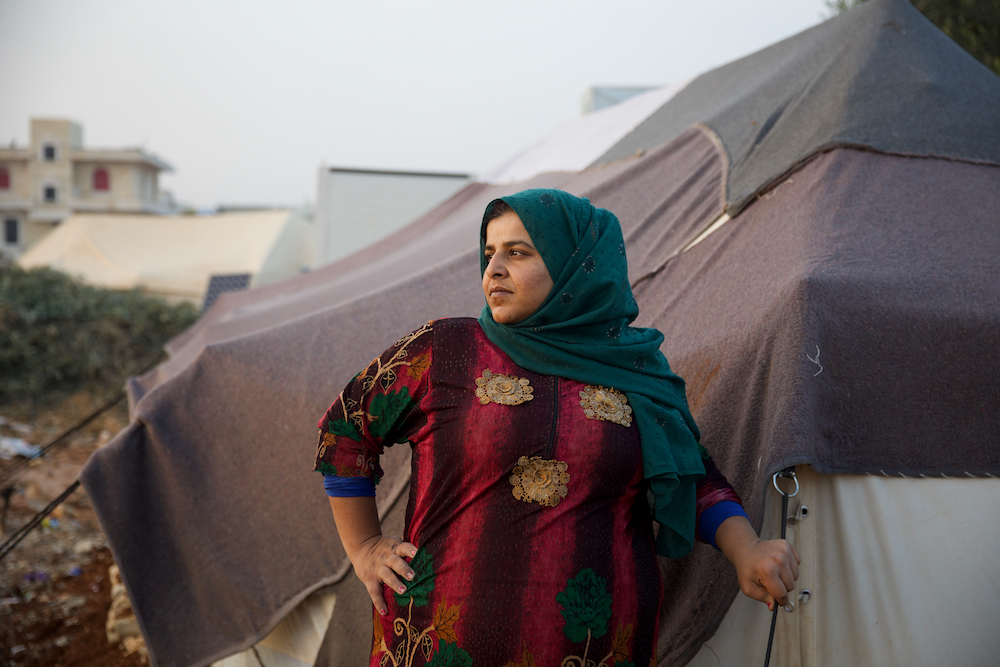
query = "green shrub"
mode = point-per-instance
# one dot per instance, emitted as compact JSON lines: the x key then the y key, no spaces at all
{"x":58,"y":334}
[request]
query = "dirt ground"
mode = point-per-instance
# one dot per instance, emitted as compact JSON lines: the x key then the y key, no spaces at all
{"x":55,"y":588}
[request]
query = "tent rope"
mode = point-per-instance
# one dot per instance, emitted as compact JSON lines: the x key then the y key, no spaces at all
{"x":786,"y":473}
{"x":14,"y":469}
{"x":11,"y":471}
{"x":22,"y":532}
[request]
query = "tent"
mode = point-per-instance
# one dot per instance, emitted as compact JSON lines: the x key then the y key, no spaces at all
{"x":176,"y":255}
{"x":813,"y":227}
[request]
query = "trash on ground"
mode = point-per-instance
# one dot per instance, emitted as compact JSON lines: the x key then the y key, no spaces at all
{"x":11,"y":447}
{"x":84,"y":547}
{"x":74,"y":602}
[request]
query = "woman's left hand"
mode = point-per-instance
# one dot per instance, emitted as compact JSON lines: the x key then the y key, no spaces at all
{"x":766,"y":569}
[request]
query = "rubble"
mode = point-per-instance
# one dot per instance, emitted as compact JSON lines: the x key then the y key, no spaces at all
{"x":55,"y":588}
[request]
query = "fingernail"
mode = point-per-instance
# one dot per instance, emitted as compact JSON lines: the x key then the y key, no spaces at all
{"x":410,"y":576}
{"x":402,"y":589}
{"x":413,"y":553}
{"x":381,"y":612}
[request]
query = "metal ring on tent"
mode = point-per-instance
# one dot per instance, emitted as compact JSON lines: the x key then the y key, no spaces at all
{"x":782,"y":473}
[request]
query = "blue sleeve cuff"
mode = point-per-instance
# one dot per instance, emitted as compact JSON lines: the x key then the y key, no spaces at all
{"x":348,"y":487}
{"x":712,"y":518}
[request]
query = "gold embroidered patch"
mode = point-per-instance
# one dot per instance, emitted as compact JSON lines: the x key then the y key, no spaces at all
{"x":606,"y":404}
{"x":539,"y":480}
{"x":502,"y":389}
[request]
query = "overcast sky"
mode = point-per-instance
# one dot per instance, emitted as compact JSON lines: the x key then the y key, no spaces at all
{"x":246,"y":99}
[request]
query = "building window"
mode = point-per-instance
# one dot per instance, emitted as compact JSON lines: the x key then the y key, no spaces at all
{"x":50,"y":193}
{"x":4,"y":179}
{"x":101,"y":179}
{"x":49,"y":152}
{"x":10,"y":231}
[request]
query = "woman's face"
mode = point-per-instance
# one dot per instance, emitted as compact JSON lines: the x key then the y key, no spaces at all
{"x":516,"y":281}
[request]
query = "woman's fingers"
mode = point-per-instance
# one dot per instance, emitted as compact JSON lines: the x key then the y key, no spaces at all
{"x":374,"y":589}
{"x":372,"y":568}
{"x":399,"y":566}
{"x":385,"y":564}
{"x":406,"y":550}
{"x":779,"y":579}
{"x":776,"y":589}
{"x":787,"y":580}
{"x":389,"y":578}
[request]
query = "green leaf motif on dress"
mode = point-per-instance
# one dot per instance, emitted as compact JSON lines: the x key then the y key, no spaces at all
{"x":423,"y":582}
{"x":344,"y":428}
{"x":586,"y":606}
{"x":450,"y":655}
{"x":385,"y":409}
{"x":328,"y":468}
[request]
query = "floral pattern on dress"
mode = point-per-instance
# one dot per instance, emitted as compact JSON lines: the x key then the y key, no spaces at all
{"x":586,"y":610}
{"x":606,"y":404}
{"x":402,"y":650}
{"x":421,"y":391}
{"x":538,"y":480}
{"x":371,"y":407}
{"x":503,"y":389}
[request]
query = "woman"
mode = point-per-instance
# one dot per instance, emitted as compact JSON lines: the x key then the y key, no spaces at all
{"x":536,"y":433}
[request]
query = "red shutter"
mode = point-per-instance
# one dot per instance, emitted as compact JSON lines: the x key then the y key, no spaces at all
{"x":101,"y":180}
{"x":4,"y":179}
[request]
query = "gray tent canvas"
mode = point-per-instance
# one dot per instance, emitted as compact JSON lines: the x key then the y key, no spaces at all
{"x":859,"y":166}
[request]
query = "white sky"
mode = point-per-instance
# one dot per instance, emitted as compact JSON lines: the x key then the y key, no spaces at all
{"x":247,"y":98}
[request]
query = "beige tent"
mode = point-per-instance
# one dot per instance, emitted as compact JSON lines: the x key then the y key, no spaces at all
{"x":175,"y":256}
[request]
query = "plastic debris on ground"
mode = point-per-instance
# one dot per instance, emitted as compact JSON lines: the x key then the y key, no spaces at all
{"x":11,"y":447}
{"x":36,"y":576}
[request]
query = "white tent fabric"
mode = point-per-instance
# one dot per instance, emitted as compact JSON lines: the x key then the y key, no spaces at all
{"x":295,"y":641}
{"x":899,"y":572}
{"x":174,"y":256}
{"x":576,"y":144}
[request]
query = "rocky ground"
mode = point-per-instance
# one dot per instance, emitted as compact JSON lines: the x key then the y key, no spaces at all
{"x":56,"y":586}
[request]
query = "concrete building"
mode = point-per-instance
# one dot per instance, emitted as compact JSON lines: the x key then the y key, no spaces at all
{"x":356,"y":207}
{"x":55,"y":176}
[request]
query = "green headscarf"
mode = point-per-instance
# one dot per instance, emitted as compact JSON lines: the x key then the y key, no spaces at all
{"x":581,"y":332}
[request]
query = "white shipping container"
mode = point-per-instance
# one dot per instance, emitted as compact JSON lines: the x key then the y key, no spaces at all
{"x":356,"y":207}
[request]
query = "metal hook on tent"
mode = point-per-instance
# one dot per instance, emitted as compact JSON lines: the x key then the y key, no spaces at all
{"x":787,"y":473}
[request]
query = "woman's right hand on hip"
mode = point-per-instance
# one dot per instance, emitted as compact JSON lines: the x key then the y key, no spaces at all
{"x":376,"y":558}
{"x":380,"y":560}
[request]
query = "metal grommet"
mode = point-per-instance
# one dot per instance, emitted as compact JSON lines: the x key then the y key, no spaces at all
{"x":801,"y":514}
{"x":774,"y":480}
{"x":804,"y":596}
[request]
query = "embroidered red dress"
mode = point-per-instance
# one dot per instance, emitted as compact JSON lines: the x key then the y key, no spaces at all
{"x":526,"y":503}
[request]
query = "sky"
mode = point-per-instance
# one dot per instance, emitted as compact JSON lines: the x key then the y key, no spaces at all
{"x":246,"y":100}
